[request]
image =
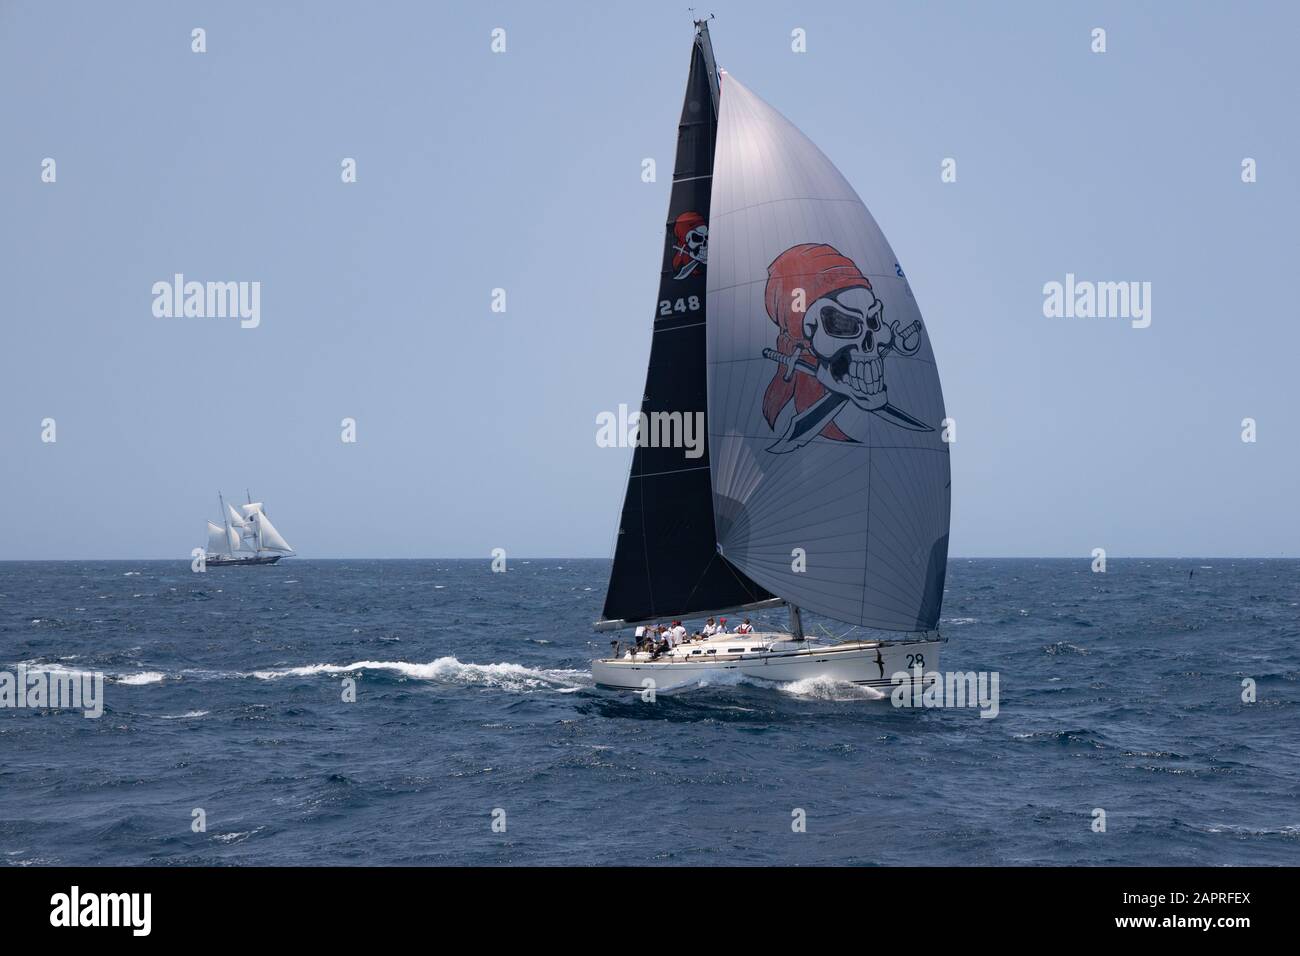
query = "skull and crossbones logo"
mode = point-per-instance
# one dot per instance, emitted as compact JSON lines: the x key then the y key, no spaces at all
{"x":690,"y":244}
{"x":832,"y":345}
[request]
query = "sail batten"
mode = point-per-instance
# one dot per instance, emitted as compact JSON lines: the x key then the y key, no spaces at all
{"x":830,"y":474}
{"x":666,"y":560}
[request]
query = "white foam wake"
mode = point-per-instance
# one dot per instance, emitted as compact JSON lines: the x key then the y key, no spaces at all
{"x":826,"y":688}
{"x":809,"y":688}
{"x":449,"y":670}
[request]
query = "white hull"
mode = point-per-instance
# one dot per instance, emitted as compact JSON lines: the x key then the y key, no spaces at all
{"x":865,"y":663}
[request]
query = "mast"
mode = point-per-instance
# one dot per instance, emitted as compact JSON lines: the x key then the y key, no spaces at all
{"x":796,"y":622}
{"x":225,"y":519}
{"x":706,"y":50}
{"x":248,"y":495}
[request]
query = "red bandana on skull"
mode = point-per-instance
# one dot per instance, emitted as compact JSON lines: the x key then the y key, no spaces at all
{"x":819,"y":270}
{"x":690,"y":237}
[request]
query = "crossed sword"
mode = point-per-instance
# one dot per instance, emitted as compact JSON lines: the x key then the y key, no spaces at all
{"x":690,"y":267}
{"x":805,"y":426}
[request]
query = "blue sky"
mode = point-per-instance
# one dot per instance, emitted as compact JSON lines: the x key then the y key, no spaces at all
{"x":521,"y":170}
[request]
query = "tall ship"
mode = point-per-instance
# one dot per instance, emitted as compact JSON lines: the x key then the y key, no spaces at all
{"x":785,"y":323}
{"x":244,"y":537}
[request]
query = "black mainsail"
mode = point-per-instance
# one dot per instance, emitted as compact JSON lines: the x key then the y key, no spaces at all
{"x":666,"y":561}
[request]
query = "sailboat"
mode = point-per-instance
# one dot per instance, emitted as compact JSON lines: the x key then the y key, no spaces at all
{"x":786,"y":323}
{"x":245,"y":536}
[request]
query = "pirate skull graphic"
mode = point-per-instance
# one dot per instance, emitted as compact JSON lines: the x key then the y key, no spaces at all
{"x":832,"y":344}
{"x":690,"y":244}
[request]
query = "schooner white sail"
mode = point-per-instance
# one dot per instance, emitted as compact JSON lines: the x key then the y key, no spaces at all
{"x":245,"y":537}
{"x":825,"y":483}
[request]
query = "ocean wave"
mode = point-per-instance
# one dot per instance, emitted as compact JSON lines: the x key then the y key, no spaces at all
{"x":1237,"y":830}
{"x":1079,"y":737}
{"x":826,"y":688}
{"x":810,"y":688}
{"x":449,"y":670}
{"x":38,"y":666}
{"x":146,"y":677}
{"x":238,"y":836}
{"x":188,"y":715}
{"x":1065,"y":647}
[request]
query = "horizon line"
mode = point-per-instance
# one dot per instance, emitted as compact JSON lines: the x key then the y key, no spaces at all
{"x":488,"y":557}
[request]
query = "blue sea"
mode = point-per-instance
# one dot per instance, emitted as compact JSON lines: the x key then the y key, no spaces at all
{"x":1119,"y":691}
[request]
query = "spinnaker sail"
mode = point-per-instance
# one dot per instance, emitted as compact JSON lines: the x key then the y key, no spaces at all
{"x":830,"y":471}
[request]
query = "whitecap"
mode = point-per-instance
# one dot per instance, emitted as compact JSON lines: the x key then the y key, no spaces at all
{"x":1240,"y":830}
{"x":146,"y":677}
{"x":236,"y":836}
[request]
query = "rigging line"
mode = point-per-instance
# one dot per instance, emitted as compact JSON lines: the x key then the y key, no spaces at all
{"x":673,"y":471}
{"x":769,"y":202}
{"x":736,"y":574}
